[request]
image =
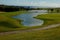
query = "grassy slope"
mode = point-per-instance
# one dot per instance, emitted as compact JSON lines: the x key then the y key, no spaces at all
{"x":50,"y":18}
{"x":53,"y":16}
{"x":7,"y":23}
{"x":49,"y":34}
{"x":6,"y":18}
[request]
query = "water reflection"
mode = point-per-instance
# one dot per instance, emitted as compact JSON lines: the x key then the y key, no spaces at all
{"x":28,"y":19}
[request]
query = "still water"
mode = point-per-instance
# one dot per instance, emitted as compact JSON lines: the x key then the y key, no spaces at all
{"x":28,"y":19}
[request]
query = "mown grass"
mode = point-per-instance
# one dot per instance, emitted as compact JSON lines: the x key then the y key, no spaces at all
{"x":7,"y":23}
{"x":48,"y":34}
{"x":51,"y":18}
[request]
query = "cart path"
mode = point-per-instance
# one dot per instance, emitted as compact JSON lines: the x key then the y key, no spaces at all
{"x":30,"y":30}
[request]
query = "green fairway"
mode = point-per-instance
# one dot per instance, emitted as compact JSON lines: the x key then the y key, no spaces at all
{"x":51,"y":18}
{"x":49,"y":34}
{"x":7,"y":23}
{"x":29,"y":19}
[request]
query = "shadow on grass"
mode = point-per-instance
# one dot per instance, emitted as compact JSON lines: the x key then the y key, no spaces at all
{"x":7,"y":24}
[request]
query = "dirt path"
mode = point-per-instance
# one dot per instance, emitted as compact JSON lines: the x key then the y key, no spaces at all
{"x":30,"y":30}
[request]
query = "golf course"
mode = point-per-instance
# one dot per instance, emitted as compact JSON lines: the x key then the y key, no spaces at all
{"x":12,"y":29}
{"x":29,"y":19}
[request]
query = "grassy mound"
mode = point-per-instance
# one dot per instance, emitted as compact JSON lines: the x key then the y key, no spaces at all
{"x":8,"y":23}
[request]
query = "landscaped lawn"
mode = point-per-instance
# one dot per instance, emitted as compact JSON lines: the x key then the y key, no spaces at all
{"x":51,"y":18}
{"x":7,"y":23}
{"x":49,"y":34}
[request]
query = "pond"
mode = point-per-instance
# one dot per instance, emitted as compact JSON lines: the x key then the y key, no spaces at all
{"x":28,"y":19}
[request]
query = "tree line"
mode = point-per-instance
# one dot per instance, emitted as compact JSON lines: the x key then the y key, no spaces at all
{"x":6,"y":8}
